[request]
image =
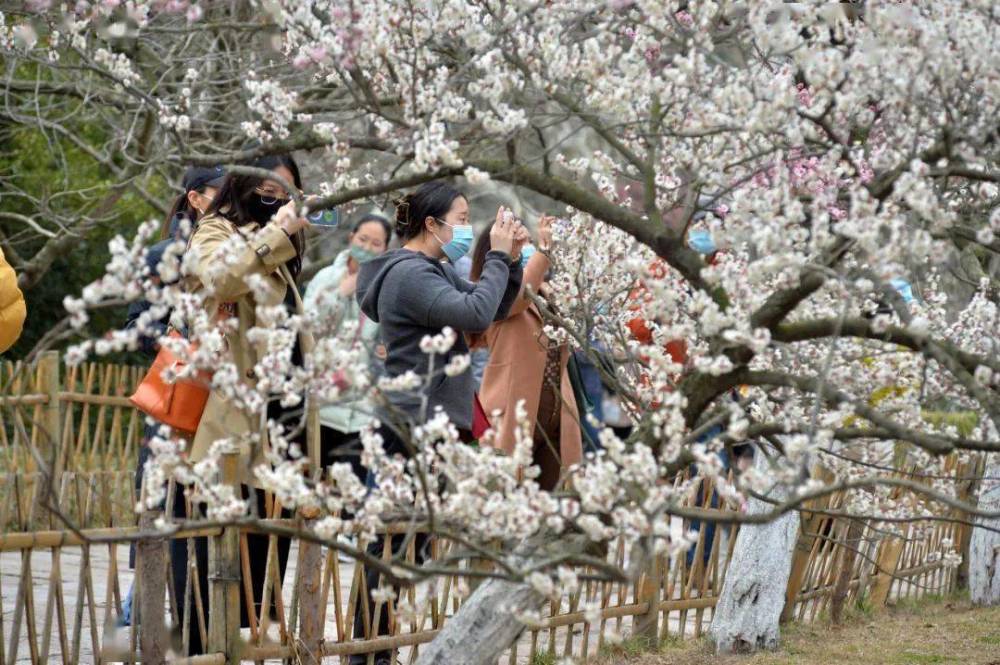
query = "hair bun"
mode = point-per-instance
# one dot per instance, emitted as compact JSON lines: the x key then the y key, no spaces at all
{"x":402,"y":213}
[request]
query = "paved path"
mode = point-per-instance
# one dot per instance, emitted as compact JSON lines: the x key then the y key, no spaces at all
{"x":87,"y":621}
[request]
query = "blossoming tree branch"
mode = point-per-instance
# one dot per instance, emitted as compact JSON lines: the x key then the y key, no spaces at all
{"x":831,"y":152}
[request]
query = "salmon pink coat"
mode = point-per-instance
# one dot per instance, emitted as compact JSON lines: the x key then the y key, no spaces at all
{"x":518,"y":349}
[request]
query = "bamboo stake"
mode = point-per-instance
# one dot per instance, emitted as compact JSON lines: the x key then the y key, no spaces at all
{"x":224,"y":618}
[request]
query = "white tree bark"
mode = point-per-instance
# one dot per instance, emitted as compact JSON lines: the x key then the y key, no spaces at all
{"x":483,"y":627}
{"x":753,"y":594}
{"x":487,"y":622}
{"x":984,"y":546}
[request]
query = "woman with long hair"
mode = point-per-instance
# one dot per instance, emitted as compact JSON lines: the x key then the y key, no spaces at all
{"x":525,"y":365}
{"x":247,"y":254}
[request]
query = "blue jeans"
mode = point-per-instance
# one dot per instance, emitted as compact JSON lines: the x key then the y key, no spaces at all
{"x":148,"y":432}
{"x":707,"y":528}
{"x":595,"y":393}
{"x":126,"y":618}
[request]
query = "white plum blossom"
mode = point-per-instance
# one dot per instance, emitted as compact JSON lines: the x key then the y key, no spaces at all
{"x":439,"y":344}
{"x":457,"y":365}
{"x":738,"y":190}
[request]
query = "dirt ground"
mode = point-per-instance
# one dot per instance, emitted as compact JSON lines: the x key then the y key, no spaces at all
{"x":922,"y":633}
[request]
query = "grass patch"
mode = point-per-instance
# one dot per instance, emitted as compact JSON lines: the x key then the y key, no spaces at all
{"x":927,"y":631}
{"x":910,"y":658}
{"x":672,"y":642}
{"x":630,"y":647}
{"x":864,"y":607}
{"x":543,"y":659}
{"x":931,"y":601}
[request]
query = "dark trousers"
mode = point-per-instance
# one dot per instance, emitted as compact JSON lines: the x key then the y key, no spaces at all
{"x":180,"y":549}
{"x":708,"y":528}
{"x":257,"y":546}
{"x":592,"y":385}
{"x":422,"y":551}
{"x":393,"y":444}
{"x":336,"y":446}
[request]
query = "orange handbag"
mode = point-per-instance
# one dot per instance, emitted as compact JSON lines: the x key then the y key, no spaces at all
{"x":179,"y":404}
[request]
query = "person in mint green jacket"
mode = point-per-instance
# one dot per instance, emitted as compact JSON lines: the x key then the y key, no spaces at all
{"x":331,"y":295}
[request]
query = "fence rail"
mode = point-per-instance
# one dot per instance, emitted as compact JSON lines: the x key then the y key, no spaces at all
{"x":87,"y":406}
{"x":65,"y":574}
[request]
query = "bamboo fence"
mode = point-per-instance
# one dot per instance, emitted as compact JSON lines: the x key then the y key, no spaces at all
{"x":65,"y":580}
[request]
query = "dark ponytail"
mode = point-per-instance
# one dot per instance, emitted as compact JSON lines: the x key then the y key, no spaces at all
{"x":181,"y":208}
{"x":482,"y":248}
{"x":432,"y":199}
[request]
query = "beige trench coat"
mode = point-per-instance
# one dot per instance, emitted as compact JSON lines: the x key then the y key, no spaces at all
{"x":226,"y":284}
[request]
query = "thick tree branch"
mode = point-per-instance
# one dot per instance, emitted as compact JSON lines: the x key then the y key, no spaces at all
{"x":800,"y":331}
{"x":932,"y":443}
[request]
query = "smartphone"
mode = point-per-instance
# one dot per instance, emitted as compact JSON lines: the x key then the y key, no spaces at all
{"x":329,"y":218}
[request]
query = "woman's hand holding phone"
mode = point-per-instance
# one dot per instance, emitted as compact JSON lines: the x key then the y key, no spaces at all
{"x":289,"y":220}
{"x":503,"y":232}
{"x":545,"y":232}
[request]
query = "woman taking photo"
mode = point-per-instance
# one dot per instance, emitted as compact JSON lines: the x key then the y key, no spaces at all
{"x":330,"y":296}
{"x":247,"y":253}
{"x":413,"y":292}
{"x":525,"y":365}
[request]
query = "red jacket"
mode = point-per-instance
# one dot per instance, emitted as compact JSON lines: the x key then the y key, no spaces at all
{"x":677,"y":348}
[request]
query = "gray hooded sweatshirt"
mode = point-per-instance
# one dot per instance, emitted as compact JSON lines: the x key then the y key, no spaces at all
{"x":411,"y":295}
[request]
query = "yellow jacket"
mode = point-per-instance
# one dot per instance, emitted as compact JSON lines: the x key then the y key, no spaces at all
{"x":12,"y":309}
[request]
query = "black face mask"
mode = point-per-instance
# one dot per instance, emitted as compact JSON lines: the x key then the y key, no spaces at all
{"x":263,"y":208}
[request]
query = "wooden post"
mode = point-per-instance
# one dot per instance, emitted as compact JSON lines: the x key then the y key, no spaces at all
{"x":310,"y":566}
{"x":850,"y":546}
{"x":968,"y":490}
{"x":50,"y":443}
{"x":310,"y":577}
{"x":151,"y":570}
{"x":224,"y":581}
{"x":800,"y":563}
{"x":647,"y":624}
{"x":52,"y":384}
{"x":886,"y":565}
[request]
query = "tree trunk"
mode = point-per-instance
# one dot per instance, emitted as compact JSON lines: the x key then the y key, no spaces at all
{"x":753,"y":594}
{"x":984,"y":547}
{"x":483,"y":627}
{"x":487,"y":623}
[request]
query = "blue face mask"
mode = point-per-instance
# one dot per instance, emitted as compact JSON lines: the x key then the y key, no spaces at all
{"x":701,"y":241}
{"x":360,"y":254}
{"x":526,"y":253}
{"x":903,"y":288}
{"x":460,"y":244}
